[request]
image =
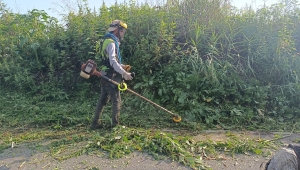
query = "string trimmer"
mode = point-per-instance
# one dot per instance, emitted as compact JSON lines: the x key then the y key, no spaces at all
{"x":89,"y":68}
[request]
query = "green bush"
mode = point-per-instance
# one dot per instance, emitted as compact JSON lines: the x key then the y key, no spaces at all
{"x":209,"y":62}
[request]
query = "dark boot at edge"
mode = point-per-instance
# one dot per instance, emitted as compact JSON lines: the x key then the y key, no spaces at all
{"x":95,"y":126}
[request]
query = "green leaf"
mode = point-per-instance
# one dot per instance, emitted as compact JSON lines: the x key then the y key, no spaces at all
{"x":181,"y":159}
{"x":257,"y":151}
{"x":137,"y":85}
{"x":160,"y":92}
{"x":191,"y":161}
{"x":6,"y":78}
{"x":182,"y":97}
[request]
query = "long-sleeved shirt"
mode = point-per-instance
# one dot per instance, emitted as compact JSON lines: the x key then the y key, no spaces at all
{"x":112,"y":55}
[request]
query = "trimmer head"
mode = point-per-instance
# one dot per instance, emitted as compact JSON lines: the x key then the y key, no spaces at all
{"x":177,"y":119}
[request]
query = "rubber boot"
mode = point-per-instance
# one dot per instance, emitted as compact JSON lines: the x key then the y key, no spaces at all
{"x":95,"y":125}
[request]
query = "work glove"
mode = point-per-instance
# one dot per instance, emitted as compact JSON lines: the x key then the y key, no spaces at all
{"x":127,"y":76}
{"x":126,"y":68}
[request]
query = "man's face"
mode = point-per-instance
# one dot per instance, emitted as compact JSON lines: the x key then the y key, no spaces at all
{"x":122,"y":33}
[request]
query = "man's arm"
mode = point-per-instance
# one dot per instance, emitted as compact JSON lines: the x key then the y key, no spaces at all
{"x":111,"y":51}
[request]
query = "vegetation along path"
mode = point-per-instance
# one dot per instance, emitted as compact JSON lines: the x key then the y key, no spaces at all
{"x":117,"y":149}
{"x":218,"y":67}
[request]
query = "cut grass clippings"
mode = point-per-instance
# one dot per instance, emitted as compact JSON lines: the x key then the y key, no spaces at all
{"x":121,"y":141}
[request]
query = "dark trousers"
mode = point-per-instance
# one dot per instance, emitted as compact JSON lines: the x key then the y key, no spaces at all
{"x":108,"y":91}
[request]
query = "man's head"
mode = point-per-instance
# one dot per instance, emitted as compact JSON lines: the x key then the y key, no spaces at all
{"x":118,"y":28}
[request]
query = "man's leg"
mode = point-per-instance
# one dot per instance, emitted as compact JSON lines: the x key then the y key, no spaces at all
{"x":115,"y":98}
{"x":99,"y":109}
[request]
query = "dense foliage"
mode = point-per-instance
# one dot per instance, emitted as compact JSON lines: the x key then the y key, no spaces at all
{"x":207,"y":61}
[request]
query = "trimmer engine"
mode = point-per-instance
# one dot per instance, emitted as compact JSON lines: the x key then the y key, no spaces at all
{"x":88,"y":69}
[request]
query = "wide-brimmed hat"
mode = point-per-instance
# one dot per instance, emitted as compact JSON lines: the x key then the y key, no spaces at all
{"x":115,"y":24}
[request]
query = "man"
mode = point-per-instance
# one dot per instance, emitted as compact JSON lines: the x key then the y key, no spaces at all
{"x":115,"y":70}
{"x":285,"y":159}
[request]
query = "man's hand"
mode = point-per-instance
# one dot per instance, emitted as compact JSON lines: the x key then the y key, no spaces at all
{"x":126,"y":68}
{"x":96,"y":73}
{"x":127,"y":76}
{"x":83,"y":66}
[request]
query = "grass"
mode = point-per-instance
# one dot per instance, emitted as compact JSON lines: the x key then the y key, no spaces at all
{"x":227,"y":66}
{"x":65,"y":127}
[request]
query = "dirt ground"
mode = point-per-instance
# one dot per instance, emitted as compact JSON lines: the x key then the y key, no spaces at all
{"x":30,"y":157}
{"x":246,"y":161}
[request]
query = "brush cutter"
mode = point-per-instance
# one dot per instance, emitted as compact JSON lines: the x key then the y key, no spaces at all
{"x":89,"y":68}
